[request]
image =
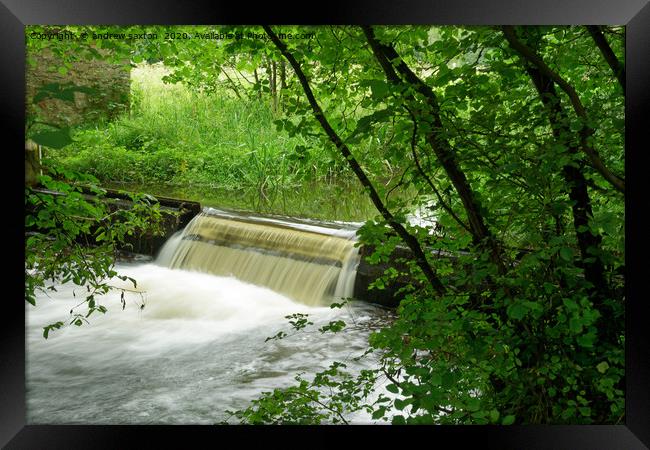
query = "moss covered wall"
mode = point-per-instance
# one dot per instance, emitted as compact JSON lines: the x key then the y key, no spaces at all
{"x":111,"y":81}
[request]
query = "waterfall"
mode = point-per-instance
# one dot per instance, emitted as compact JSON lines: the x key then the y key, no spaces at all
{"x":310,"y":263}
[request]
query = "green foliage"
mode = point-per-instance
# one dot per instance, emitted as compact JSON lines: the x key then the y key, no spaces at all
{"x":536,"y":364}
{"x":299,"y":321}
{"x":334,"y":326}
{"x":328,"y":398}
{"x":61,"y":91}
{"x":71,"y":238}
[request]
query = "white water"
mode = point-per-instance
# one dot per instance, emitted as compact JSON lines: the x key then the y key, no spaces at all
{"x":308,"y":263}
{"x":195,"y":350}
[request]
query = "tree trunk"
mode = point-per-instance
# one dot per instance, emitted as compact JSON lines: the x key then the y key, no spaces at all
{"x":257,"y":84}
{"x":270,"y":73}
{"x":274,"y":84}
{"x":32,"y":164}
{"x":576,"y":184}
{"x":283,"y":76}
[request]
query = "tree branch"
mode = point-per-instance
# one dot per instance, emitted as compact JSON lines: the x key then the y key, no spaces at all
{"x":426,"y":178}
{"x":601,"y":42}
{"x":232,"y":84}
{"x":409,"y":239}
{"x":586,"y":131}
{"x":392,"y":63}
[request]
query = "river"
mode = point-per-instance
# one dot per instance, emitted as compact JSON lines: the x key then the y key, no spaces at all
{"x":196,"y":349}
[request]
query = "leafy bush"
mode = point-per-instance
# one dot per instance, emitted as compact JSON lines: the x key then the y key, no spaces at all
{"x":73,"y":239}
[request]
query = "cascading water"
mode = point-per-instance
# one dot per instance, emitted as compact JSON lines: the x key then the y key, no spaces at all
{"x":189,"y":345}
{"x":308,"y":263}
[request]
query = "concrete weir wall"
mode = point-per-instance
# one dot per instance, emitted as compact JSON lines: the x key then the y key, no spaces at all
{"x":241,"y":237}
{"x":178,"y":213}
{"x":366,"y":273}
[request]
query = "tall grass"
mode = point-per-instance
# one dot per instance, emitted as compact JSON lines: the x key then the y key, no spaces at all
{"x":175,"y":135}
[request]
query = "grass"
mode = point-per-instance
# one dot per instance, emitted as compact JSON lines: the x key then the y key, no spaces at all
{"x":220,"y":150}
{"x":177,"y":136}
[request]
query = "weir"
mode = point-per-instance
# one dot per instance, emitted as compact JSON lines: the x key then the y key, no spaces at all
{"x":310,"y":263}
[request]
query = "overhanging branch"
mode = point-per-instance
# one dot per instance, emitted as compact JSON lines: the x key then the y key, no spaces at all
{"x":529,"y":55}
{"x":408,"y":239}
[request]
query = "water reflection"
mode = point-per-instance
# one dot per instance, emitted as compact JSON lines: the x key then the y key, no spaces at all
{"x":327,"y":201}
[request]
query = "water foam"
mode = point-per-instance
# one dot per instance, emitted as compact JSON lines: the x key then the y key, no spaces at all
{"x":309,"y":263}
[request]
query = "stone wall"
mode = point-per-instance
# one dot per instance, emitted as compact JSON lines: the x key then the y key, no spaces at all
{"x":111,"y":81}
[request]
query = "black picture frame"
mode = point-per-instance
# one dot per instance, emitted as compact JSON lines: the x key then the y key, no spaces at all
{"x":635,"y":14}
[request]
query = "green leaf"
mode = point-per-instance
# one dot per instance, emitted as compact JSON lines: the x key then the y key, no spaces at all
{"x":379,"y":413}
{"x":586,"y":340}
{"x":53,"y":139}
{"x":517,"y":311}
{"x":379,"y":88}
{"x":338,"y":305}
{"x":401,"y":404}
{"x":399,"y":420}
{"x":392,"y":388}
{"x":363,"y":124}
{"x":566,"y":254}
{"x":334,"y":326}
{"x":508,"y":420}
{"x":575,"y":325}
{"x":473,"y":404}
{"x":602,"y":367}
{"x":448,"y":380}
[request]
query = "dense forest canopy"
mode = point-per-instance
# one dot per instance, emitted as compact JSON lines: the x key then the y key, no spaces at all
{"x":512,"y":138}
